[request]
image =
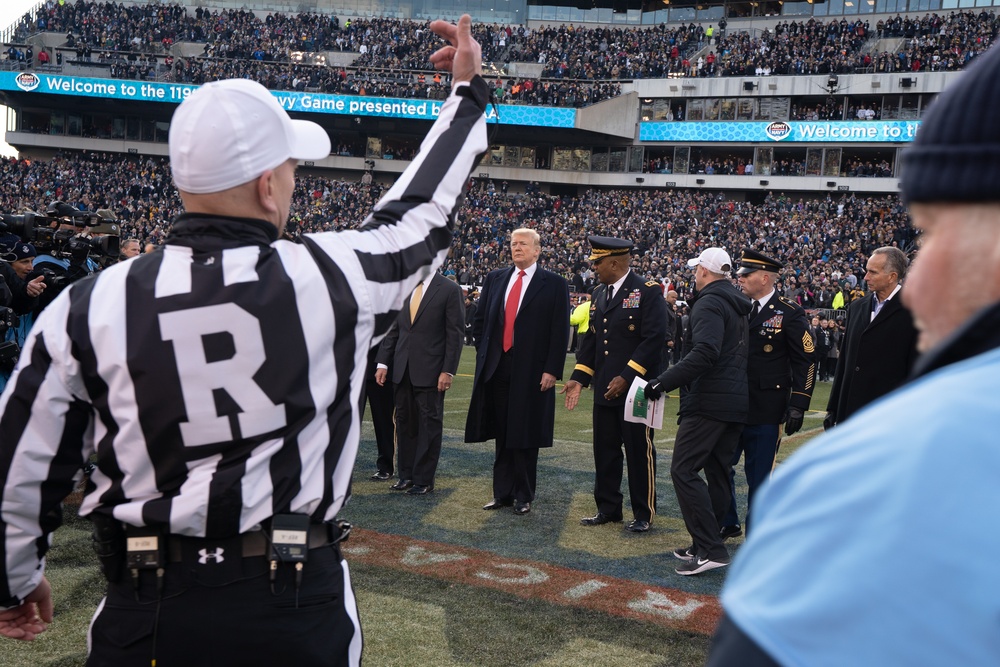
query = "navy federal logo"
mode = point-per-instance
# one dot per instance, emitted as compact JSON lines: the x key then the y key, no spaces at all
{"x":27,"y":81}
{"x":778,"y":130}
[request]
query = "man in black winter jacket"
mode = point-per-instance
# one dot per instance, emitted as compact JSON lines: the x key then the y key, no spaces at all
{"x":714,"y":403}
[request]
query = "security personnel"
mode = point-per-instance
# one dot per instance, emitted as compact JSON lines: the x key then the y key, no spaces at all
{"x":627,"y":328}
{"x":782,"y":372}
{"x":218,"y":381}
{"x":579,"y":321}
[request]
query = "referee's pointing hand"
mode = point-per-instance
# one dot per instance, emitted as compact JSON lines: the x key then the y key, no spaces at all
{"x":463,"y":58}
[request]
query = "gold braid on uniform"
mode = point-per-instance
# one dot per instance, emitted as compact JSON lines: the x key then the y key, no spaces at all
{"x":807,"y":343}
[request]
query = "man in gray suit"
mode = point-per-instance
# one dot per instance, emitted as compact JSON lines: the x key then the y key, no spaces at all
{"x":424,"y":345}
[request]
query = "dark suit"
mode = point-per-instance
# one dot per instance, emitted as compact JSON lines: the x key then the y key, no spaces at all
{"x":420,"y":351}
{"x":625,"y":338}
{"x":471,"y":307}
{"x":507,"y":403}
{"x":781,"y":372}
{"x":672,"y":336}
{"x":380,"y":400}
{"x":875,"y":355}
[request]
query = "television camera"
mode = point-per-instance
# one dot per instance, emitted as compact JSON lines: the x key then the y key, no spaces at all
{"x":71,"y":244}
{"x":68,"y":233}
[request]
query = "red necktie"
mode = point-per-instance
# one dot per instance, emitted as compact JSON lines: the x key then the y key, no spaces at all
{"x":510,"y":312}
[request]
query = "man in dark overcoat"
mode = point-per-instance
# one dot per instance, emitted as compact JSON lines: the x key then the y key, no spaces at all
{"x":520,"y":329}
{"x":879,"y":346}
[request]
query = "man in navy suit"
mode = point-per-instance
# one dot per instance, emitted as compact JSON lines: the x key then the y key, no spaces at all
{"x":520,"y":331}
{"x":424,"y":346}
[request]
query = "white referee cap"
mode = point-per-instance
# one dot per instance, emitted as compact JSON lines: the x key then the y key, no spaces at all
{"x":227,"y":133}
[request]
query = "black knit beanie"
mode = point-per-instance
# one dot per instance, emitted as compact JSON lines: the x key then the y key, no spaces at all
{"x":956,"y":155}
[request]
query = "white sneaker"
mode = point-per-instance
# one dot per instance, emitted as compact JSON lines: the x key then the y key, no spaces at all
{"x":699,"y":565}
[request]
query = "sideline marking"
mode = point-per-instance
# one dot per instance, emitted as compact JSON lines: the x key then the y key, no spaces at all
{"x":534,"y":580}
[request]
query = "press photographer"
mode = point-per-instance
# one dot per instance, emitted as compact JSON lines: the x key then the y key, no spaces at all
{"x":71,"y":244}
{"x":19,"y":296}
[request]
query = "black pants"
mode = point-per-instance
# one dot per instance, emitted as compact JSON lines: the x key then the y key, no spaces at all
{"x":704,"y":444}
{"x":381,"y":402}
{"x":217,"y":614}
{"x":419,"y":423}
{"x":514,"y":468}
{"x":611,"y":431}
{"x":831,"y":367}
{"x":731,"y":647}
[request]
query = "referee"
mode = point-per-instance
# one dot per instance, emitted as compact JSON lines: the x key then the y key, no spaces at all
{"x":218,"y":384}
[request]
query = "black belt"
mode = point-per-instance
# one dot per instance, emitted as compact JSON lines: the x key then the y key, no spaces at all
{"x":253,"y":544}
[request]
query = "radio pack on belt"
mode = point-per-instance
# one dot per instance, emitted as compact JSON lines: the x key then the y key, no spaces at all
{"x":290,"y":538}
{"x":144,"y":549}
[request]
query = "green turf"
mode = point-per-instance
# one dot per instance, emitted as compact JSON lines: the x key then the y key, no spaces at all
{"x":412,"y":619}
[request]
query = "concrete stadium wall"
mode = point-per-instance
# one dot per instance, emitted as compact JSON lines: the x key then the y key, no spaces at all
{"x":781,"y":86}
{"x":617,"y":116}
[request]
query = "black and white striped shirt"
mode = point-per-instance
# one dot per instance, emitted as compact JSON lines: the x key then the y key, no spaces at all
{"x":219,"y":380}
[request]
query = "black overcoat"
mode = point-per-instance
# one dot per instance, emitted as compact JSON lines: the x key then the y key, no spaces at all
{"x":541,"y":333}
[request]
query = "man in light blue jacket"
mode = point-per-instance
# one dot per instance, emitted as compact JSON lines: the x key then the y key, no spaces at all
{"x":874,"y":544}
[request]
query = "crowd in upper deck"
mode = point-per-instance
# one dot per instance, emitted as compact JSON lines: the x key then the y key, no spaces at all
{"x":391,"y":55}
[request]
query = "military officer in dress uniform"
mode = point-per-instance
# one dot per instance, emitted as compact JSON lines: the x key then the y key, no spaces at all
{"x":781,"y":371}
{"x":627,"y":327}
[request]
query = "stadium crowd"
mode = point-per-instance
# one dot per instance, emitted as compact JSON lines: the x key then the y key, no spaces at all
{"x":812,"y":47}
{"x":823,"y":241}
{"x":244,"y":44}
{"x":736,"y":166}
{"x":379,"y":82}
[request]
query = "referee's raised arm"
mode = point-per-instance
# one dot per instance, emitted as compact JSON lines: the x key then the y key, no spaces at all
{"x":217,"y":385}
{"x":407,"y":235}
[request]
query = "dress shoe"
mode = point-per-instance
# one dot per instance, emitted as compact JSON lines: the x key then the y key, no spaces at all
{"x":522,"y":508}
{"x":420,"y":490}
{"x":637,"y":526}
{"x":599,"y":519}
{"x":730,"y":531}
{"x":496,"y":504}
{"x":402,"y":485}
{"x":381,"y":476}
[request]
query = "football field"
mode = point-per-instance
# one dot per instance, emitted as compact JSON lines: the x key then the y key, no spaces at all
{"x":441,"y":582}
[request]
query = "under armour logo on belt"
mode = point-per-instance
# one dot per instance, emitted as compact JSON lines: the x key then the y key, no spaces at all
{"x":204,"y":556}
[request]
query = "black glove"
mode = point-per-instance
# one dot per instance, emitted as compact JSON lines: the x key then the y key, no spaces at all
{"x":829,"y":421}
{"x":654,"y":389}
{"x":793,"y":420}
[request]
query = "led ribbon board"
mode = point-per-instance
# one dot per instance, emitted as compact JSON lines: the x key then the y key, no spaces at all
{"x":347,"y":105}
{"x":841,"y":132}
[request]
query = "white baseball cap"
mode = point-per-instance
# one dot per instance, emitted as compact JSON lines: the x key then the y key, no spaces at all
{"x":715,"y":260}
{"x":227,"y":133}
